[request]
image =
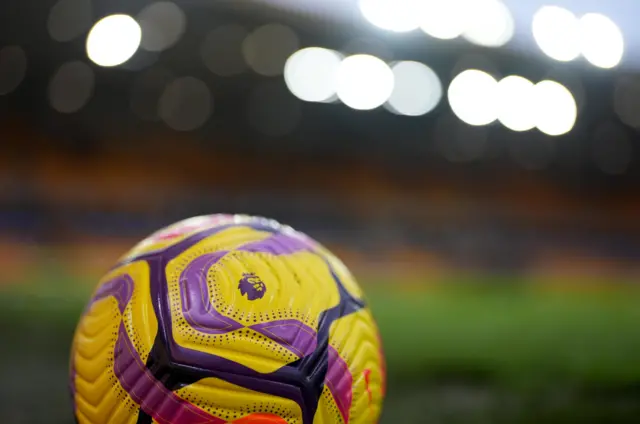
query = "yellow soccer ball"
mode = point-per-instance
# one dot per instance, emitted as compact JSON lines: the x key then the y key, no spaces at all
{"x":227,"y":319}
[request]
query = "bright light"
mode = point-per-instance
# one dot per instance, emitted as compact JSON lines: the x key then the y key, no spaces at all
{"x":602,"y":42}
{"x":515,"y":103}
{"x":490,"y":23}
{"x":416,"y":91}
{"x":555,"y":108}
{"x":472,"y":96}
{"x":556,"y":31}
{"x":445,"y":20}
{"x":113,"y":40}
{"x":310,"y":74}
{"x":364,"y":82}
{"x":267,"y":48}
{"x":162,"y":23}
{"x":392,"y":15}
{"x":185,"y":104}
{"x":13,"y":67}
{"x":71,"y":87}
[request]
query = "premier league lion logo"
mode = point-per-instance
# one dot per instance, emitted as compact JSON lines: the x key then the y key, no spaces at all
{"x":252,"y":286}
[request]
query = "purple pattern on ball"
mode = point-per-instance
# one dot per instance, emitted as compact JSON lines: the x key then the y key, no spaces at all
{"x":164,"y":405}
{"x":340,"y":382}
{"x":292,"y":334}
{"x":278,"y":244}
{"x":196,"y":299}
{"x":154,"y":398}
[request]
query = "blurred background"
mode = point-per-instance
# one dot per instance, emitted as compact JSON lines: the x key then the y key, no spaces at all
{"x":474,"y":162}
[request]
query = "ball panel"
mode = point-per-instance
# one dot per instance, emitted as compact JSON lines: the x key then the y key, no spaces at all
{"x":355,"y":338}
{"x":139,"y":318}
{"x":328,"y":412}
{"x":296,"y":286}
{"x":154,"y":398}
{"x":339,"y":381}
{"x":342,"y":272}
{"x":98,"y":397}
{"x":175,"y":233}
{"x":233,"y":403}
{"x":234,"y":296}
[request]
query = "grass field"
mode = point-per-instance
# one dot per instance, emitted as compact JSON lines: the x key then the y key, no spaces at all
{"x":457,"y":353}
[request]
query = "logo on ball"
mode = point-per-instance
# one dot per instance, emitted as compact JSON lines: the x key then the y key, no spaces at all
{"x":251,"y":285}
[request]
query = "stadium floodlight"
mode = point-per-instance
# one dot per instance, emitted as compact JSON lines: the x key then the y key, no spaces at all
{"x":417,"y":89}
{"x":392,"y":15}
{"x":311,"y":74}
{"x":601,"y":40}
{"x":364,"y":82}
{"x":556,"y":31}
{"x":556,"y":110}
{"x":445,"y":20}
{"x":113,"y":40}
{"x":473,"y":97}
{"x":515,"y":103}
{"x":490,"y":23}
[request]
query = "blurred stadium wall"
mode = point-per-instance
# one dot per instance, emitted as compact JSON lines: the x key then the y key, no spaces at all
{"x":80,"y":211}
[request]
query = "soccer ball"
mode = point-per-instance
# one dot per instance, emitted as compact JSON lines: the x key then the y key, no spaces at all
{"x":227,"y":319}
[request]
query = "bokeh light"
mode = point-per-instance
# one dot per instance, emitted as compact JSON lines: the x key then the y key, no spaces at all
{"x":601,"y":40}
{"x":473,"y":97}
{"x":311,"y":74}
{"x":162,"y":23}
{"x":515,"y":103}
{"x":417,"y":89}
{"x":392,"y":15}
{"x":13,"y":66}
{"x":555,"y":108}
{"x":626,"y":100}
{"x":556,"y":31}
{"x":185,"y":104}
{"x":71,"y":87}
{"x":490,"y":23}
{"x":221,"y":50}
{"x":445,"y":20}
{"x":267,"y":48}
{"x":113,"y":40}
{"x":68,"y":19}
{"x":364,"y":82}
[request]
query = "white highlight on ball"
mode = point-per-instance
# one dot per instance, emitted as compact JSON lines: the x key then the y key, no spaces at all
{"x":113,"y":40}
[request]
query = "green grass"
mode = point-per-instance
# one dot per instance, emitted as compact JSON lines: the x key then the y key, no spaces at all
{"x":458,"y":353}
{"x":519,"y":336}
{"x":489,"y":332}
